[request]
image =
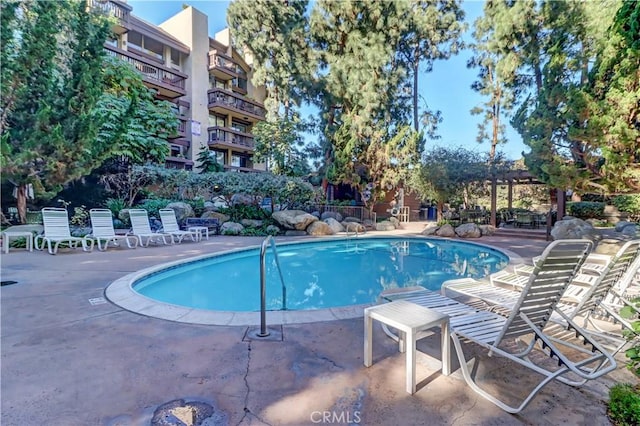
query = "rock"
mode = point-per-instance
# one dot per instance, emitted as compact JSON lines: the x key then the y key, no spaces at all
{"x":468,"y":230}
{"x":222,"y":218}
{"x":209,"y":205}
{"x":334,"y":215}
{"x":294,"y":233}
{"x":241,"y":199}
{"x":395,"y":222}
{"x":219,"y":202}
{"x":487,"y":230}
{"x":385,"y":226}
{"x":354,"y":227}
{"x":631,"y":230}
{"x":319,"y":228}
{"x":430,"y":229}
{"x":273,"y":230}
{"x":608,"y":246}
{"x":251,"y":223}
{"x":294,"y":219}
{"x":334,"y":225}
{"x":623,"y":224}
{"x":183,"y":210}
{"x":368,"y":223}
{"x":573,"y":228}
{"x":123,"y":215}
{"x":231,"y":228}
{"x":316,"y":213}
{"x":351,"y":219}
{"x":446,"y":230}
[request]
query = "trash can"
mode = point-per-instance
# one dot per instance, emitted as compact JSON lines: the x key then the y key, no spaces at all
{"x":431,"y":213}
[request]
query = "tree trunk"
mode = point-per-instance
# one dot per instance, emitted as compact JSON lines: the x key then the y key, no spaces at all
{"x":416,"y":125}
{"x":21,"y":196}
{"x":439,"y":210}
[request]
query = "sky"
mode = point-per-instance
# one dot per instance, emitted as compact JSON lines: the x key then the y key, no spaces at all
{"x":446,"y":88}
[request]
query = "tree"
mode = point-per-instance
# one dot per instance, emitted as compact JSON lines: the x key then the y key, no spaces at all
{"x":208,"y":161}
{"x":51,"y":84}
{"x":445,"y":173}
{"x":280,"y":145}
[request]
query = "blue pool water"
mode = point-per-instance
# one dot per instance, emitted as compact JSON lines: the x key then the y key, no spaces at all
{"x":319,"y":275}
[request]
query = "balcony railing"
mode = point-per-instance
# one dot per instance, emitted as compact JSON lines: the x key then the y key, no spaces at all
{"x":152,"y":73}
{"x":113,"y":8}
{"x":217,"y":61}
{"x":230,"y":136}
{"x":223,"y":98}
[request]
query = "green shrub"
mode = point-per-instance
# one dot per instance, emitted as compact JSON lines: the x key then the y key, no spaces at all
{"x":629,"y":204}
{"x":243,"y":211}
{"x":152,"y":205}
{"x":586,"y":209}
{"x":115,"y":205}
{"x":624,"y":405}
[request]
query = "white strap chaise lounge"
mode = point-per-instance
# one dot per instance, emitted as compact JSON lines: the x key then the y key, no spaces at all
{"x":170,"y":226}
{"x":103,"y":233}
{"x":57,"y":231}
{"x":141,"y":229}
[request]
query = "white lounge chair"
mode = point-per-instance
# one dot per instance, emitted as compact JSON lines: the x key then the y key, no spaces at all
{"x":57,"y":231}
{"x":170,"y":226}
{"x":103,"y":233}
{"x":141,"y":229}
{"x":575,"y":360}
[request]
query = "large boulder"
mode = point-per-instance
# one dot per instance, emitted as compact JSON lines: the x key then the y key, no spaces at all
{"x":251,"y":223}
{"x":273,"y":230}
{"x":385,"y":225}
{"x":354,"y":227}
{"x":183,"y":210}
{"x":487,"y":230}
{"x":395,"y":221}
{"x":430,"y":229}
{"x":446,"y":230}
{"x":294,"y":219}
{"x":335,"y":215}
{"x":334,"y":225}
{"x":218,"y":202}
{"x":222,"y":218}
{"x":319,"y":228}
{"x":468,"y":230}
{"x":608,"y":246}
{"x":622,"y":224}
{"x":241,"y":199}
{"x":573,"y":228}
{"x":632,"y":230}
{"x":231,"y":228}
{"x":351,"y":219}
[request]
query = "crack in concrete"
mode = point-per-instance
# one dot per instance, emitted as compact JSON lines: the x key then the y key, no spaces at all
{"x":247,"y":411}
{"x":464,"y":413}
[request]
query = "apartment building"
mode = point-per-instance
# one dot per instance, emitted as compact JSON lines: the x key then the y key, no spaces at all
{"x":206,"y":79}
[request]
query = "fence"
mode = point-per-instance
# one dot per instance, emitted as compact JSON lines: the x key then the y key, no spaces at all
{"x":359,"y":212}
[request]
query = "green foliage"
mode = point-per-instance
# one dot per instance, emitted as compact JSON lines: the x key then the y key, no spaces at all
{"x":586,"y":209}
{"x":115,"y":205}
{"x":631,"y":313}
{"x":152,"y":205}
{"x":624,"y":404}
{"x":243,"y":211}
{"x":279,"y":143}
{"x":208,"y":162}
{"x":80,"y":217}
{"x":629,"y":204}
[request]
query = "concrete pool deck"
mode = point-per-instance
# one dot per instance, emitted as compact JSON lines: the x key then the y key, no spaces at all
{"x":69,"y":357}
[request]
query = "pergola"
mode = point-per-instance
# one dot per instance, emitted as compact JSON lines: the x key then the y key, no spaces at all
{"x":518,"y":177}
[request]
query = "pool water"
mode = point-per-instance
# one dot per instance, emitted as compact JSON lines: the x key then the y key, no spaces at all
{"x":319,"y":275}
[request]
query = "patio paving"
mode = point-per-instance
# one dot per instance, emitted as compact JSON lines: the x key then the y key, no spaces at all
{"x":71,"y":358}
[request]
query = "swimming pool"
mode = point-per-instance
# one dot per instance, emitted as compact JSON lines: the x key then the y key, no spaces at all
{"x":317,"y":274}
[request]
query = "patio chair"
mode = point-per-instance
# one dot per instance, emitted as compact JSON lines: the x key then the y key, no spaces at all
{"x":141,"y":229}
{"x":170,"y":226}
{"x":57,"y":231}
{"x":578,"y":300}
{"x":573,"y":361}
{"x":102,"y":230}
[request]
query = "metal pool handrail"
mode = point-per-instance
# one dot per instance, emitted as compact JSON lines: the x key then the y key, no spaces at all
{"x":263,"y":284}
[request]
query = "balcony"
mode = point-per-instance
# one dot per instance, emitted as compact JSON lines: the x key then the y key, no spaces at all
{"x":116,"y":9}
{"x":228,"y":103}
{"x":229,"y":138}
{"x":182,"y":129}
{"x":221,"y":67}
{"x":169,"y":83}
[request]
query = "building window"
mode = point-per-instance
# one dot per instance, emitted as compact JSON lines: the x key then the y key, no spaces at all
{"x":240,"y":83}
{"x":240,"y":127}
{"x":175,"y":59}
{"x":216,"y":120}
{"x":239,"y":160}
{"x":146,"y":45}
{"x":219,"y":156}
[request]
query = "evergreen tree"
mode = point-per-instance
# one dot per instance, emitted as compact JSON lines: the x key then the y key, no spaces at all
{"x":208,"y":162}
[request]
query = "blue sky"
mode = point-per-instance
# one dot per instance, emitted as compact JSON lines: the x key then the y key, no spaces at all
{"x":447,"y":88}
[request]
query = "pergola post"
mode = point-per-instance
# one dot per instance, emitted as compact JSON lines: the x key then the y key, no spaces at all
{"x":562,"y":204}
{"x":494,"y":203}
{"x":510,"y":195}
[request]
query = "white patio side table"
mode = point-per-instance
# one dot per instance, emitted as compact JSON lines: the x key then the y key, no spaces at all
{"x":409,"y":319}
{"x":7,"y":236}
{"x":199,"y":230}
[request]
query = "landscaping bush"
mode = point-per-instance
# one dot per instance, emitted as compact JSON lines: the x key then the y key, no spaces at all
{"x":629,"y":204}
{"x":586,"y":209}
{"x":152,"y":205}
{"x":242,"y":211}
{"x":624,"y":405}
